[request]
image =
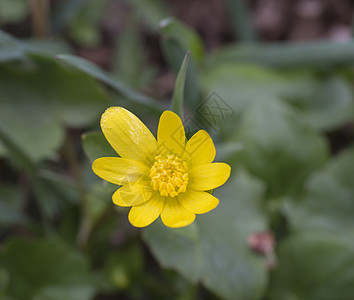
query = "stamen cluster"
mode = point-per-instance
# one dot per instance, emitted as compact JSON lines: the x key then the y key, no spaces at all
{"x":169,"y":175}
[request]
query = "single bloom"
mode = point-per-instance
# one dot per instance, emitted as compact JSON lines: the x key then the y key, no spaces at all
{"x":168,"y":176}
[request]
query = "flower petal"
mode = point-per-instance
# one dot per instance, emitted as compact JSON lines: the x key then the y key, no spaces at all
{"x":144,"y":214}
{"x":170,"y":134}
{"x":199,"y":149}
{"x":198,"y":202}
{"x":208,"y":176}
{"x":128,"y":136}
{"x":175,"y":215}
{"x":133,"y":194}
{"x":119,"y":171}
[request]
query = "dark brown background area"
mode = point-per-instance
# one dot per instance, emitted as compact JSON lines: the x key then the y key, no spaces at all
{"x":297,"y":20}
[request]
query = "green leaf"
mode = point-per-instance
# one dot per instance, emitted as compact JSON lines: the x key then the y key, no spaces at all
{"x":312,"y":96}
{"x":10,"y":48}
{"x":319,"y":109}
{"x":37,"y":99}
{"x":278,"y":148}
{"x":15,"y":49}
{"x":49,"y":47}
{"x":46,"y":269}
{"x":242,"y":84}
{"x":214,"y":250}
{"x":314,"y":266}
{"x":176,"y":248}
{"x":327,"y":203}
{"x":178,"y":93}
{"x":16,"y":153}
{"x":63,"y":186}
{"x":53,"y":192}
{"x":96,"y":146}
{"x":49,"y":190}
{"x":94,"y":71}
{"x":177,"y":39}
{"x":319,"y":54}
{"x":227,"y":150}
{"x":10,"y":52}
{"x":184,"y":37}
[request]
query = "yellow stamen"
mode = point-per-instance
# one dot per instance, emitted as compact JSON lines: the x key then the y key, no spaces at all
{"x":169,"y":175}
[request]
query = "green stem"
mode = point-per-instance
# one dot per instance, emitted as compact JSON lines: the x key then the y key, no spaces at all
{"x":75,"y":168}
{"x":177,"y":98}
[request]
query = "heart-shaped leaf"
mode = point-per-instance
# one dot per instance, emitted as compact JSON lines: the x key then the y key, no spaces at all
{"x":214,"y":249}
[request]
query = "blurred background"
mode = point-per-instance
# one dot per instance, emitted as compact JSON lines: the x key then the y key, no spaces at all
{"x":270,"y":80}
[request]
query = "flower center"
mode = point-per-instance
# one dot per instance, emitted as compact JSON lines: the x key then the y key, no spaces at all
{"x":169,"y":175}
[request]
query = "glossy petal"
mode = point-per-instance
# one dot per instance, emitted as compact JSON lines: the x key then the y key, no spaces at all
{"x":170,"y":134}
{"x":144,"y":214}
{"x":119,"y":171}
{"x":128,"y":136}
{"x":199,"y":149}
{"x":175,"y":215}
{"x":198,"y":202}
{"x":133,"y":194}
{"x":208,"y":176}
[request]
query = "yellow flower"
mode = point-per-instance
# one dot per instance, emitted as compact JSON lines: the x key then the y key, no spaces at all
{"x":167,"y":177}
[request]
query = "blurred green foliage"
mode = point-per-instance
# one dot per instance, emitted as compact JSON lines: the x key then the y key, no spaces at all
{"x":275,"y":112}
{"x":46,"y":269}
{"x":13,"y":11}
